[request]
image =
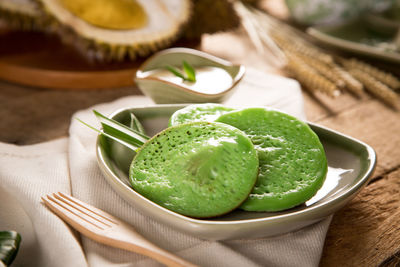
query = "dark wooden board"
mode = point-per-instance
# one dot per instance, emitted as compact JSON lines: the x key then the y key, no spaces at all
{"x":42,"y":60}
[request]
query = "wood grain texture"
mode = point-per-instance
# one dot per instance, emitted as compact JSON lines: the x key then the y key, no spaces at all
{"x":48,"y":63}
{"x":33,"y":115}
{"x":367,"y":230}
{"x":320,"y":106}
{"x":375,"y":124}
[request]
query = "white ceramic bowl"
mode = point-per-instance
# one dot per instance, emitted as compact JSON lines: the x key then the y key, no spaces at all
{"x":164,"y":92}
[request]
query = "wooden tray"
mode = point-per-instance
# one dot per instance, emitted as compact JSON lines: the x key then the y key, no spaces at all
{"x":42,"y":60}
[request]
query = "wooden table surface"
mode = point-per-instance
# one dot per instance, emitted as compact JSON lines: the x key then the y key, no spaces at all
{"x":366,"y":232}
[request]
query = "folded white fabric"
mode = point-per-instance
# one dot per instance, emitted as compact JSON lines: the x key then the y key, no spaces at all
{"x":69,"y":165}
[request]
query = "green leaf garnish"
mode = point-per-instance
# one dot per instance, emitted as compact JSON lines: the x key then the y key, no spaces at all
{"x":176,"y":72}
{"x":9,"y":244}
{"x":130,"y":145}
{"x":188,"y":70}
{"x":119,"y":132}
{"x":119,"y":127}
{"x":135,"y":124}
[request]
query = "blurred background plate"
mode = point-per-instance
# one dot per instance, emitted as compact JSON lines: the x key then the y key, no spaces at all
{"x":355,"y":36}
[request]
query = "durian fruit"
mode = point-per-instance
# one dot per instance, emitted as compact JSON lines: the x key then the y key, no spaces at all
{"x":21,"y":15}
{"x":116,"y":30}
{"x":211,"y":16}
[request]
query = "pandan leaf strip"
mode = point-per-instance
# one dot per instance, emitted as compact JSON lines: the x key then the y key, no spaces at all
{"x":136,"y":125}
{"x":9,"y":245}
{"x":126,"y":140}
{"x":187,"y":68}
{"x":190,"y":72}
{"x":176,"y":72}
{"x":121,"y":127}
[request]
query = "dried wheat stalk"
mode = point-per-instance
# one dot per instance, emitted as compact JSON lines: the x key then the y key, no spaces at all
{"x":315,"y":68}
{"x":324,"y":69}
{"x":309,"y":77}
{"x":378,"y":74}
{"x":352,"y":84}
{"x":294,"y":45}
{"x":257,"y":35}
{"x":377,"y":88}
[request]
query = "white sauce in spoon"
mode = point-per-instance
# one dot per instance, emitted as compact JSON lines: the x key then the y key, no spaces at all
{"x":209,"y":80}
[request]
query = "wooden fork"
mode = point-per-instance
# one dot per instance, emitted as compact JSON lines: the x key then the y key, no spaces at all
{"x":107,"y":229}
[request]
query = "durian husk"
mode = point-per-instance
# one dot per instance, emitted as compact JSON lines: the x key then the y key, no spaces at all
{"x":202,"y":16}
{"x":210,"y":16}
{"x":107,"y":45}
{"x":24,"y":15}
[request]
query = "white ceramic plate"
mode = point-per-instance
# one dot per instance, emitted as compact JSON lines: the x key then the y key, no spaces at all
{"x":350,"y":162}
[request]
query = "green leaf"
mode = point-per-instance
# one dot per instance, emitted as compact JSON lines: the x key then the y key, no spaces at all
{"x":119,"y":132}
{"x":129,"y":145}
{"x":9,"y":245}
{"x":187,"y":68}
{"x":190,"y":72}
{"x":136,"y":125}
{"x":176,"y":72}
{"x":118,"y":127}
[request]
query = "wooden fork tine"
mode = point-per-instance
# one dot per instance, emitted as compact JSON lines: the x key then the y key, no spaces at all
{"x":84,"y":210}
{"x":71,"y":216}
{"x":92,"y":210}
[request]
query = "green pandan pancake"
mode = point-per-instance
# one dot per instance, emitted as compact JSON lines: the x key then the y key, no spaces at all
{"x":197,"y":169}
{"x":292,"y":160}
{"x":198,"y":112}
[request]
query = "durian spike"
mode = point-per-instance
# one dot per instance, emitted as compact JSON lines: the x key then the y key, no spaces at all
{"x":22,"y":15}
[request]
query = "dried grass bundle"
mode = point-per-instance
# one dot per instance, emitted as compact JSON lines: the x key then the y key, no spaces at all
{"x":377,"y":88}
{"x":309,"y":77}
{"x":378,"y":74}
{"x":312,"y":66}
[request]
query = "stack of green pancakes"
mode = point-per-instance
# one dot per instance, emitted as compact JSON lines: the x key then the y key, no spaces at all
{"x":213,"y":159}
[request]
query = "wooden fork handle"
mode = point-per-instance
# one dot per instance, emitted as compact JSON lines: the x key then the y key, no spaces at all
{"x":130,"y":240}
{"x":162,"y":256}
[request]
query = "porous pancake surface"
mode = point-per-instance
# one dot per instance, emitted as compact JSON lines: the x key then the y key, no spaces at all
{"x":197,"y":169}
{"x":198,"y":112}
{"x":292,"y":160}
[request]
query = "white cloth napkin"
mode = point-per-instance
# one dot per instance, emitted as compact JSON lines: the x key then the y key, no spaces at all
{"x":69,"y":165}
